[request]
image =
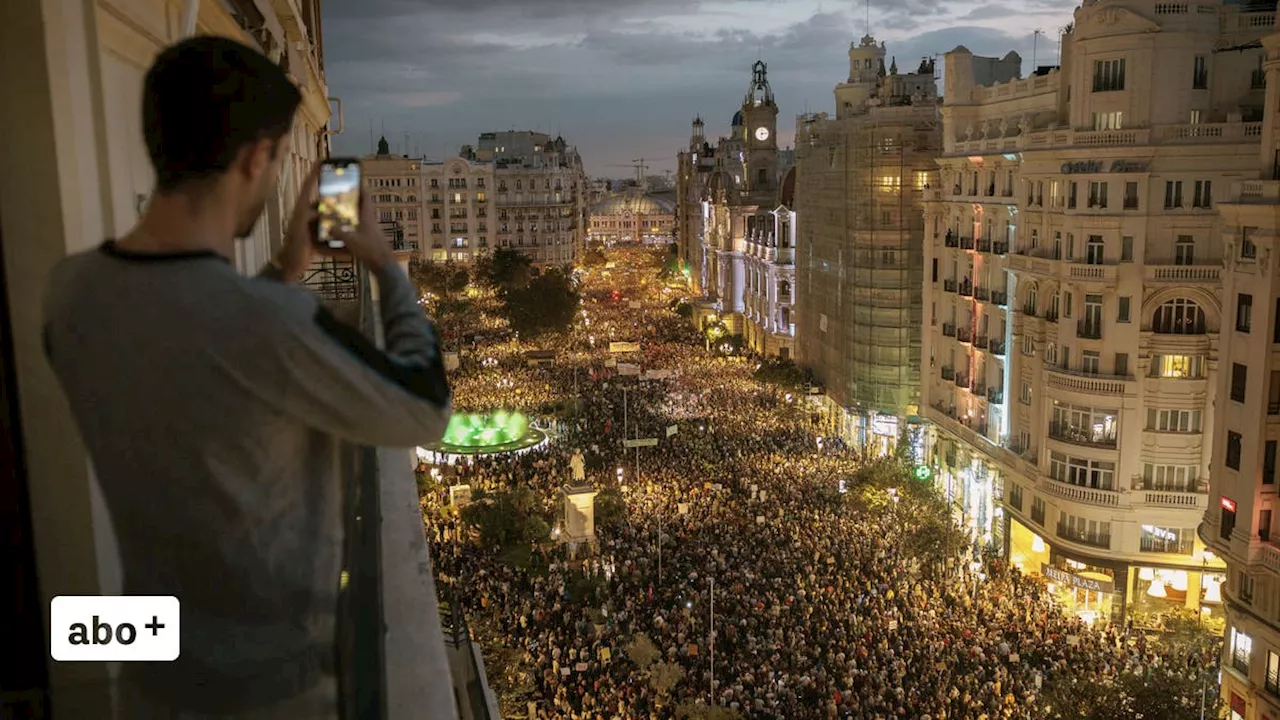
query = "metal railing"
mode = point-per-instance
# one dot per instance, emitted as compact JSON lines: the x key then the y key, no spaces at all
{"x":1081,"y":436}
{"x":996,"y":347}
{"x":1094,"y":539}
{"x":360,"y":619}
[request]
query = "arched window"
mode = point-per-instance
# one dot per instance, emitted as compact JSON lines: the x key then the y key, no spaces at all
{"x":1178,"y":317}
{"x":1029,"y":307}
{"x":784,"y":291}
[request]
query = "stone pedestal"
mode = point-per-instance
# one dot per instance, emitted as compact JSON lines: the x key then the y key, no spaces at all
{"x":579,"y":515}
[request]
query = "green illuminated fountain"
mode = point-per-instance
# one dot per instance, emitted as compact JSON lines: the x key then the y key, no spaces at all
{"x":484,"y":433}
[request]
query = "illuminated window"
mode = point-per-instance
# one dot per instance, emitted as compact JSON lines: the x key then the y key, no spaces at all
{"x":922,"y":179}
{"x":457,"y":197}
{"x":480,"y":197}
{"x":1179,"y":366}
{"x":1241,"y":650}
{"x":890,"y":183}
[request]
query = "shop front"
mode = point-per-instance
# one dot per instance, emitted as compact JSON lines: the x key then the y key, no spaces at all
{"x":1160,"y":593}
{"x":1085,"y":587}
{"x":971,"y":485}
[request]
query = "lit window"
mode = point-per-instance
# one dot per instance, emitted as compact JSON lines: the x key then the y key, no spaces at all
{"x":890,"y":183}
{"x":1180,"y":366}
{"x":922,"y":179}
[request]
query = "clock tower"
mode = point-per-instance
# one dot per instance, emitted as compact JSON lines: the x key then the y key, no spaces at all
{"x":760,"y":135}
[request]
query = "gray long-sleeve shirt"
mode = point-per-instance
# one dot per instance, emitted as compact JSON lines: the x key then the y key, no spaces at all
{"x":214,"y":408}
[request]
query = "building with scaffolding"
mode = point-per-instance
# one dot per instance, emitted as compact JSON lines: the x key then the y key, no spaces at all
{"x":860,"y":182}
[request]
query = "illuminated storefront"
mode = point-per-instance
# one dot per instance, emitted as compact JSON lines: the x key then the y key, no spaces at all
{"x":1098,"y":589}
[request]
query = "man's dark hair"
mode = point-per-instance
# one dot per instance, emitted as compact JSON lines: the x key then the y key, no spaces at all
{"x":204,"y":99}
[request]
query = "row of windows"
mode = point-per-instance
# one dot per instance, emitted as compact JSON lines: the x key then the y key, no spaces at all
{"x":1109,"y":75}
{"x":1099,"y":194}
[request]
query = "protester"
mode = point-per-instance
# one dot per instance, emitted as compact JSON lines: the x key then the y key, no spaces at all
{"x":820,"y":611}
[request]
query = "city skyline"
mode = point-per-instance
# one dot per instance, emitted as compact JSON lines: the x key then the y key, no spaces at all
{"x":432,"y":77}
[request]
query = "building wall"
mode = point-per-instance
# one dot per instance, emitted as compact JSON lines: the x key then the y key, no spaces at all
{"x":71,"y":118}
{"x":1238,"y":521}
{"x":459,"y":209}
{"x":1087,"y":196}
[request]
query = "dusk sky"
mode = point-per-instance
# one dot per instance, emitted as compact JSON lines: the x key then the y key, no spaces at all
{"x":622,"y":79}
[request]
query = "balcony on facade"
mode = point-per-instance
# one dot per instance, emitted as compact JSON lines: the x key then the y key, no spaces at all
{"x":1176,"y":134}
{"x":996,"y":348}
{"x":1083,"y":537}
{"x":1155,"y":272}
{"x":401,"y":665}
{"x":1098,"y":436}
{"x":1087,"y":329}
{"x":1060,"y":378}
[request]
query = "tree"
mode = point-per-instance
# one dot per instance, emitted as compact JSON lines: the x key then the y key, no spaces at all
{"x":642,"y":651}
{"x":506,"y":270}
{"x":547,"y":303}
{"x":594,"y":256}
{"x":664,"y":676}
{"x":610,"y":508}
{"x":783,"y":373}
{"x":1157,"y":695}
{"x":510,"y":519}
{"x":444,"y":280}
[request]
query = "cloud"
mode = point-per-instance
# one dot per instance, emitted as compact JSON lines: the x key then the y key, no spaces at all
{"x":619,"y":78}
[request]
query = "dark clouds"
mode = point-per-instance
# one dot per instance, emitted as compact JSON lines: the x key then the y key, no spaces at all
{"x":619,"y":78}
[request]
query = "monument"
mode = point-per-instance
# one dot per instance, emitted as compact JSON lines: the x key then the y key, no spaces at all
{"x":579,"y":516}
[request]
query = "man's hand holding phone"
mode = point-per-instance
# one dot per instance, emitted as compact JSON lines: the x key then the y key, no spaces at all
{"x":363,"y":243}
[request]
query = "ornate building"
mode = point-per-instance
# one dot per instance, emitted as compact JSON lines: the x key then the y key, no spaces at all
{"x":718,"y":189}
{"x":1086,"y":197}
{"x":860,"y":182}
{"x":521,"y":190}
{"x":633,"y":216}
{"x":1241,"y":502}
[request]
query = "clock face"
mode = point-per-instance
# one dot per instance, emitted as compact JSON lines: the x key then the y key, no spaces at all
{"x":762,"y":133}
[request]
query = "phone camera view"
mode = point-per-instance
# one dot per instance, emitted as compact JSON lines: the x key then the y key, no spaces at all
{"x":339,"y":201}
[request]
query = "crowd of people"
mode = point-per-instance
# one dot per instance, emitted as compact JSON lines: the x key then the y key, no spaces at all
{"x":820,"y":609}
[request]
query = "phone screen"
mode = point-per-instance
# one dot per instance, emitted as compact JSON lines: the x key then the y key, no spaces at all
{"x":339,"y":204}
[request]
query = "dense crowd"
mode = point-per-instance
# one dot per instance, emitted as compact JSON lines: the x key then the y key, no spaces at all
{"x":820,"y":609}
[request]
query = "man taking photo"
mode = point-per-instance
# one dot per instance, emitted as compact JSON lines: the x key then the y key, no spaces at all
{"x":215,"y":407}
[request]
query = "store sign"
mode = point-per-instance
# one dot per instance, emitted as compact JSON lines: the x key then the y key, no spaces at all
{"x":884,"y":425}
{"x":1076,"y":581}
{"x":1160,"y":533}
{"x":1098,"y":166}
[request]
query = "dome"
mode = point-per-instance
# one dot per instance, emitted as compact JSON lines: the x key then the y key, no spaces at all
{"x":635,"y":203}
{"x":737,"y":119}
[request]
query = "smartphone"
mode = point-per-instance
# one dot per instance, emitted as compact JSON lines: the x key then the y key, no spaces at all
{"x":338,"y":206}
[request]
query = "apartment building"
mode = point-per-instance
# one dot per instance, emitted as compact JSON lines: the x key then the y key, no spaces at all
{"x":529,"y":195}
{"x":1239,"y":521}
{"x":1087,"y":455}
{"x":860,"y":182}
{"x":769,"y":275}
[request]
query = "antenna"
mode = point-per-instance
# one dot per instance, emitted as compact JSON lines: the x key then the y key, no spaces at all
{"x":1035,"y":37}
{"x":868,"y":17}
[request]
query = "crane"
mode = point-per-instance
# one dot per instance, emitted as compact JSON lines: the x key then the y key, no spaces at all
{"x":640,"y":167}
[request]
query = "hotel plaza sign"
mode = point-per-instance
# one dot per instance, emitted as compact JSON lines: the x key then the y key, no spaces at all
{"x":1077,"y":581}
{"x":1098,"y":166}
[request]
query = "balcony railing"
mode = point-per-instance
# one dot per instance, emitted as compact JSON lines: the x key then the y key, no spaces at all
{"x":1066,"y":432}
{"x":984,"y":245}
{"x":1000,"y":247}
{"x":980,"y":342}
{"x":966,"y":243}
{"x":394,"y":662}
{"x":1181,"y":546}
{"x":1181,"y":274}
{"x":965,"y":289}
{"x":1000,"y":297}
{"x":949,"y":285}
{"x":979,"y":388}
{"x":962,"y":380}
{"x":948,"y":373}
{"x":981,"y":294}
{"x":1094,"y":539}
{"x":964,"y":334}
{"x":950,"y":240}
{"x":996,"y":347}
{"x":949,"y":329}
{"x":995,"y":396}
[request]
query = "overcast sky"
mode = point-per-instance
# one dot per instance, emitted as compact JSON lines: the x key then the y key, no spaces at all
{"x":622,"y":79}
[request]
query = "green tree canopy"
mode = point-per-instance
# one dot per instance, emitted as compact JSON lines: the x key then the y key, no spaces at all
{"x":547,"y":303}
{"x":506,"y":269}
{"x":444,"y":280}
